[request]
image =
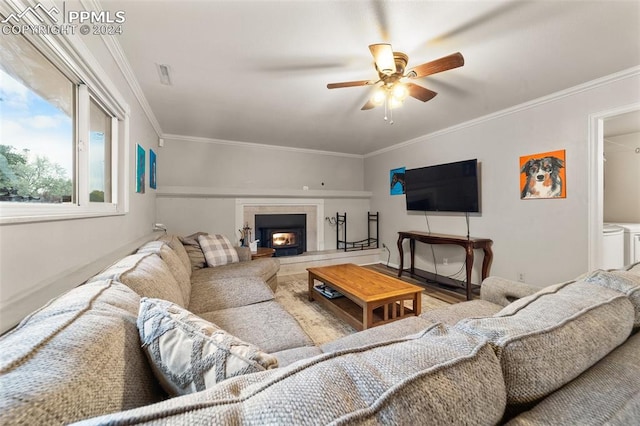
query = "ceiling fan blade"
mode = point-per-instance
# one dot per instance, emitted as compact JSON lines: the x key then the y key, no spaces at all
{"x":420,"y":93}
{"x":383,"y":56}
{"x":350,"y":84}
{"x":368,"y":105}
{"x":443,"y":64}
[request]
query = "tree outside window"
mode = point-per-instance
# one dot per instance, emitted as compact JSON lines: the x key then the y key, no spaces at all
{"x":37,"y":113}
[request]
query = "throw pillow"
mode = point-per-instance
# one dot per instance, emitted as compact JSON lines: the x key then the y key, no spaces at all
{"x":218,"y":250}
{"x":189,"y":354}
{"x":194,"y":251}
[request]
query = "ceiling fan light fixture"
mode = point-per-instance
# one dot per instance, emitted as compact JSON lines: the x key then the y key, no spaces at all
{"x":400,"y":92}
{"x":395,"y":103}
{"x":378,"y":97}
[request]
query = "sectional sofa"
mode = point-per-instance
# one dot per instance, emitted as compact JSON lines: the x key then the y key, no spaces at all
{"x":127,"y":348}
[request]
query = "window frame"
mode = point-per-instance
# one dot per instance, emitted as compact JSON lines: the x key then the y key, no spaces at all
{"x":70,"y":55}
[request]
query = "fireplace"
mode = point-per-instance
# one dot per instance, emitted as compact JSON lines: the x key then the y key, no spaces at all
{"x":285,"y":233}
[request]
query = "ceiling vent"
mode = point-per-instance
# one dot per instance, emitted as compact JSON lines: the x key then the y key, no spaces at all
{"x":163,"y":72}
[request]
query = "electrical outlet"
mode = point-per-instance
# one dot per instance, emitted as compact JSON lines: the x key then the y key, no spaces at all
{"x":445,"y":261}
{"x":521,"y":277}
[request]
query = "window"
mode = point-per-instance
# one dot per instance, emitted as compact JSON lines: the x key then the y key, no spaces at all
{"x":99,"y":154}
{"x":63,"y":131}
{"x":37,"y":120}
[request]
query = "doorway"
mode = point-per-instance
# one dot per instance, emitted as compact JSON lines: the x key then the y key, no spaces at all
{"x":607,"y":122}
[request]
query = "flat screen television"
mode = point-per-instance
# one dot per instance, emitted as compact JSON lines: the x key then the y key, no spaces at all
{"x":451,"y":187}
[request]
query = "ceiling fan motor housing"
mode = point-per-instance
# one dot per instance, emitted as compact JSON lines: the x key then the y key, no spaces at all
{"x":400,"y":60}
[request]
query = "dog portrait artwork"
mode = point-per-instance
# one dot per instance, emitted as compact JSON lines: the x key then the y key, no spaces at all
{"x":543,"y":175}
{"x":397,"y":181}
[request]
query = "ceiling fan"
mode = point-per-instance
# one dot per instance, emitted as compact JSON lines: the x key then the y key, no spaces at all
{"x":395,"y":85}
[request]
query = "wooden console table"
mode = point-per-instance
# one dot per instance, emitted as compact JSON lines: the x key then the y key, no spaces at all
{"x":469,"y":244}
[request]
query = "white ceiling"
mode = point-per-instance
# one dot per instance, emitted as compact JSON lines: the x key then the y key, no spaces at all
{"x":256,"y":71}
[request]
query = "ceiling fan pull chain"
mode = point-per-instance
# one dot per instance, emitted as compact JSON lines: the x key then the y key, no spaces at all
{"x":388,"y":111}
{"x":386,"y":107}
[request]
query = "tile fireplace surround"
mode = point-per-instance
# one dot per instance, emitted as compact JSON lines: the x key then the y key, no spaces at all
{"x":247,"y":208}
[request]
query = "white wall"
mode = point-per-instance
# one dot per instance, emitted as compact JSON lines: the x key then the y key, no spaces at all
{"x":622,"y":179}
{"x":200,"y":163}
{"x":210,"y":163}
{"x":37,"y":259}
{"x":546,"y":240}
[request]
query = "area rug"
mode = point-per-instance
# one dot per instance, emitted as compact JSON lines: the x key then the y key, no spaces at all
{"x":320,"y":324}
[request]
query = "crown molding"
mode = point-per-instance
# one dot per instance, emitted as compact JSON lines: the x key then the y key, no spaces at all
{"x":125,"y":68}
{"x":258,"y":145}
{"x":611,"y":78}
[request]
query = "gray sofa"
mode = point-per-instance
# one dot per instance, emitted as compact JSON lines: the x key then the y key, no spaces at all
{"x":565,"y":354}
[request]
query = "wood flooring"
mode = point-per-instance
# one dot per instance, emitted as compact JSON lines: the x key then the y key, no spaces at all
{"x":449,"y":294}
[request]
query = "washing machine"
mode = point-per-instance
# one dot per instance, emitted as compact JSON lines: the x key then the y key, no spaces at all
{"x":612,"y":246}
{"x":631,"y":242}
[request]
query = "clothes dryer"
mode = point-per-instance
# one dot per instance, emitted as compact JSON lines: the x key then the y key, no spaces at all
{"x":631,"y":242}
{"x":613,"y":247}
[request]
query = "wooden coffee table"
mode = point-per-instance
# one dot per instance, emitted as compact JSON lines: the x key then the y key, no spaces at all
{"x":371,"y":298}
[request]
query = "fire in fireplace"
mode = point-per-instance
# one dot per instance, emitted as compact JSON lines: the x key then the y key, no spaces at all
{"x":283,"y":239}
{"x":286,"y":233}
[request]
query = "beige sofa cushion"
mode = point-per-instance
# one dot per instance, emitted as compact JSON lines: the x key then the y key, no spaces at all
{"x":174,"y":263}
{"x":502,"y":291}
{"x":147,"y":275}
{"x":78,"y":356}
{"x":266,"y":324}
{"x":189,"y":354}
{"x":265,"y":268}
{"x":177,"y":246}
{"x":547,"y":339}
{"x":225,"y":293}
{"x":440,"y":376}
{"x":622,"y":281}
{"x":451,"y":314}
{"x":390,"y":331}
{"x":606,"y":394}
{"x":289,"y":356}
{"x":634,"y":268}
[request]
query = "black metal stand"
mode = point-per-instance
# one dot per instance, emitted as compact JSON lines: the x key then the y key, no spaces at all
{"x":370,"y":242}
